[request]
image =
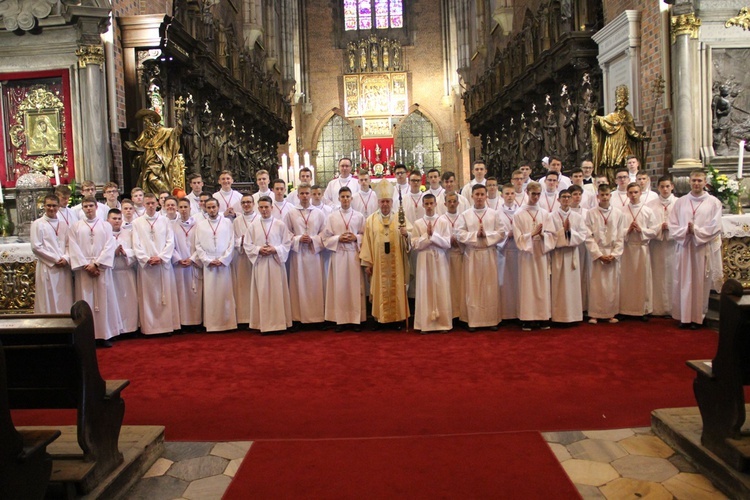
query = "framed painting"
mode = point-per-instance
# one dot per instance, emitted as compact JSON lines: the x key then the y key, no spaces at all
{"x":42,"y":129}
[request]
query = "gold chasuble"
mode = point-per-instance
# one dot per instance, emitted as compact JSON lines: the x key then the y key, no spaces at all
{"x":385,"y":250}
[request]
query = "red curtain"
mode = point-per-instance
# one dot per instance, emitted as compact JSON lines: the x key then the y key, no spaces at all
{"x":376,"y":150}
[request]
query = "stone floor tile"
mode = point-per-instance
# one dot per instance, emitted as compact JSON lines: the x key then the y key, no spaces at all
{"x":182,"y":451}
{"x":610,"y":435}
{"x":198,"y":468}
{"x":560,"y":451}
{"x":626,"y":488}
{"x":643,"y":430}
{"x":208,"y":488}
{"x":237,"y":449}
{"x":159,"y":467}
{"x":693,"y":487}
{"x":588,"y":472}
{"x":648,"y":446}
{"x":589,"y":492}
{"x":231,"y":469}
{"x":597,"y":450}
{"x":682,"y":464}
{"x":157,"y":488}
{"x":643,"y":468}
{"x":564,"y":438}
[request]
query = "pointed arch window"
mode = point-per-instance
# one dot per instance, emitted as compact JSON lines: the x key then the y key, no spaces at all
{"x":337,"y":139}
{"x":364,"y":14}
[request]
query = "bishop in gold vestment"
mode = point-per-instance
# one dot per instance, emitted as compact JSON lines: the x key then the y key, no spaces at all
{"x":384,"y":256}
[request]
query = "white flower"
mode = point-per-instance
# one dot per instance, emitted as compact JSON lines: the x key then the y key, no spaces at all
{"x":722,"y":189}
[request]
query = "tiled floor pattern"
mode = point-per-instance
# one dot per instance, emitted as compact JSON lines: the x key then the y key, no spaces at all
{"x":627,"y":463}
{"x":613,"y":464}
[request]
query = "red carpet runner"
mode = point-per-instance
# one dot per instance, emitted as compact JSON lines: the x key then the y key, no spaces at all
{"x":242,"y":386}
{"x":509,"y":465}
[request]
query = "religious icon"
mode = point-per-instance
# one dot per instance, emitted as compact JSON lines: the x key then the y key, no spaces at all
{"x":42,"y":132}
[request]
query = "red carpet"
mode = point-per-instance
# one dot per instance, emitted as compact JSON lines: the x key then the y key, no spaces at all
{"x":242,"y":386}
{"x":510,"y":465}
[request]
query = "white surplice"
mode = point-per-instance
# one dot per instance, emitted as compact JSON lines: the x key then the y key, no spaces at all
{"x":332,"y":189}
{"x":195,"y":205}
{"x":413,"y":208}
{"x":54,"y":284}
{"x":214,"y":240}
{"x":635,"y":263}
{"x":432,"y":307}
{"x":306,"y":279}
{"x":565,"y":265}
{"x":270,"y":303}
{"x":533,"y":262}
{"x":480,"y":265}
{"x":696,"y":258}
{"x":619,"y":200}
{"x":345,"y":297}
{"x":456,"y":265}
{"x":158,"y":305}
{"x":463,"y":204}
{"x":663,"y":250}
{"x":91,"y":242}
{"x":242,"y":268}
{"x":228,"y":199}
{"x":365,"y":203}
{"x":279,"y":209}
{"x":605,"y":238}
{"x":124,"y":276}
{"x":585,"y":261}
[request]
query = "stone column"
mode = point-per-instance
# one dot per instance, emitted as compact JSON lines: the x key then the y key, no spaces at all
{"x":97,"y":156}
{"x":685,"y":97}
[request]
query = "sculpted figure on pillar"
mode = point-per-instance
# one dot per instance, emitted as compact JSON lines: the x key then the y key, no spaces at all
{"x":721,"y":107}
{"x":614,"y":137}
{"x":159,"y":163}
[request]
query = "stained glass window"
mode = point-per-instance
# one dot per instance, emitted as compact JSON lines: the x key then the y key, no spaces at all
{"x":350,"y":14}
{"x":337,"y":139}
{"x":418,"y":142}
{"x":359,"y":14}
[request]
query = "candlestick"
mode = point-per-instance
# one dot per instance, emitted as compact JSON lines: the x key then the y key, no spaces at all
{"x":741,"y":159}
{"x":307,"y":160}
{"x":57,"y":174}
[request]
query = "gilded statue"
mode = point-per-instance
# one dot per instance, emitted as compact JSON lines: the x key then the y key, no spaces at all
{"x":614,"y":137}
{"x":160,"y":164}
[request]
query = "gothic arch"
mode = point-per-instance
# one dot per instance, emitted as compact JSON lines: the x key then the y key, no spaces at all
{"x":323,"y":155}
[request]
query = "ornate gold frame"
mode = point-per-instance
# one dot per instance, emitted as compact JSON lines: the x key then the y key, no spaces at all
{"x":42,"y":141}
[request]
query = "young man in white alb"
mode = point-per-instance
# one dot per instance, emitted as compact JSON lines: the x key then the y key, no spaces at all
{"x":281,"y":205}
{"x":153,"y":244}
{"x":317,"y":201}
{"x":576,"y":195}
{"x":588,"y":197}
{"x":555,"y":165}
{"x":345,"y":179}
{"x":412,"y":201}
{"x":509,"y":253}
{"x":431,"y":240}
{"x":49,"y":243}
{"x":567,"y":231}
{"x":214,"y":248}
{"x":305,"y":177}
{"x":195,"y":181}
{"x":88,"y":189}
{"x":533,"y":262}
{"x":242,"y":268}
{"x":604,"y":243}
{"x":587,"y":166}
{"x":92,"y":254}
{"x":366,"y":201}
{"x":306,"y":266}
{"x":644,"y":182}
{"x":549,"y":200}
{"x":494,"y":200}
{"x":479,"y":170}
{"x":262,"y":179}
{"x":136,"y":194}
{"x":663,"y":249}
{"x":433,"y":183}
{"x":695,"y":224}
{"x":128,"y":213}
{"x":480,"y":230}
{"x":619,"y":199}
{"x":449,"y":184}
{"x":519,"y":189}
{"x":633,"y":165}
{"x":188,"y":271}
{"x":455,"y":257}
{"x":402,"y":184}
{"x":228,"y":198}
{"x":111,"y":192}
{"x":123,"y":273}
{"x":268,"y":249}
{"x":639,"y":227}
{"x":525,"y":169}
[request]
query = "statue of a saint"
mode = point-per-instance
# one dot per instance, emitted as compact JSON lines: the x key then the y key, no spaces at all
{"x":160,"y":163}
{"x":721,"y":123}
{"x":614,"y":137}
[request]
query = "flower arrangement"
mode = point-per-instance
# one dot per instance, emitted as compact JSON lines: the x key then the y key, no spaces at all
{"x":727,"y":190}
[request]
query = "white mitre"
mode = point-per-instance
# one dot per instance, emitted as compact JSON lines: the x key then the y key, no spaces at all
{"x":384,"y":189}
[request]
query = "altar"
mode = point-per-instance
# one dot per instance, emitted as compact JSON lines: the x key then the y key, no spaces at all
{"x":17,"y":274}
{"x":735,"y":248}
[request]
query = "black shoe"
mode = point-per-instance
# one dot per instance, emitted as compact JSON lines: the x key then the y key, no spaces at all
{"x":103,"y":343}
{"x":526,"y":327}
{"x":471,"y":329}
{"x":493,"y":328}
{"x":684,"y":326}
{"x":357,"y":328}
{"x":694,"y":326}
{"x":644,"y":319}
{"x":339,"y":328}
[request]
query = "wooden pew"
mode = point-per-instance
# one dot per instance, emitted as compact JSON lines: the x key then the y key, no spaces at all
{"x":25,"y":465}
{"x":51,"y":363}
{"x":719,"y":383}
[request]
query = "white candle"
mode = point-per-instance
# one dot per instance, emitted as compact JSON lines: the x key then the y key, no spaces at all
{"x":742,"y":157}
{"x":284,"y":161}
{"x":295,"y":169}
{"x":307,"y":160}
{"x":282,"y":175}
{"x":57,"y":174}
{"x":2,"y":200}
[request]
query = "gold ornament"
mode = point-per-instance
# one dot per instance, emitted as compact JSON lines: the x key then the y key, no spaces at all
{"x":685,"y":24}
{"x":742,"y":19}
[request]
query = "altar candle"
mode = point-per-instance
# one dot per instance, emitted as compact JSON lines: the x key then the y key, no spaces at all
{"x":307,"y":160}
{"x":295,"y":169}
{"x":1,"y":195}
{"x":282,"y":174}
{"x":57,"y":174}
{"x":742,"y":157}
{"x":284,"y":161}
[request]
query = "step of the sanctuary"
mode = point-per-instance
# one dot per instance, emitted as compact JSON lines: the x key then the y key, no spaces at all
{"x":141,"y":446}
